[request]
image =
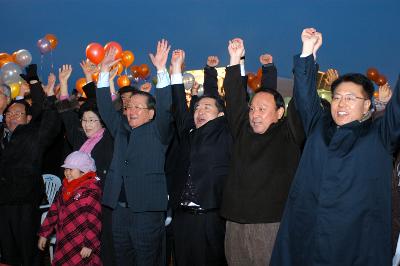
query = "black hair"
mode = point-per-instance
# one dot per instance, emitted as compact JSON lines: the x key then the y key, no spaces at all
{"x":219,"y":103}
{"x":279,"y":102}
{"x":23,"y":102}
{"x":151,"y":101}
{"x":358,"y":79}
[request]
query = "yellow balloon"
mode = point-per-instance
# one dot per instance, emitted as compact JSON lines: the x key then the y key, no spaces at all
{"x":14,"y":89}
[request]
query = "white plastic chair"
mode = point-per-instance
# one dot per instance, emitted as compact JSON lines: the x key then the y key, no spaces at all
{"x":53,"y":184}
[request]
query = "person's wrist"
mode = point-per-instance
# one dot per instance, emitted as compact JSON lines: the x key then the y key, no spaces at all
{"x":235,"y":60}
{"x":176,"y":69}
{"x":161,"y":68}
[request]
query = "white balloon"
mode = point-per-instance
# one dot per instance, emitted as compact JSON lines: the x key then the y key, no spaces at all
{"x":23,"y":57}
{"x":9,"y":73}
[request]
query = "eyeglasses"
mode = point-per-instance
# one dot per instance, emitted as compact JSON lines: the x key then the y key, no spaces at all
{"x":347,"y":98}
{"x":135,"y":107}
{"x":17,"y":115}
{"x":259,"y":109}
{"x":89,"y":121}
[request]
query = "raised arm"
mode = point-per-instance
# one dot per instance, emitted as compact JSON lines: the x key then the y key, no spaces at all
{"x":211,"y":76}
{"x":269,"y":78}
{"x":109,"y":115}
{"x":236,"y":104}
{"x":183,"y":118}
{"x":390,"y":124}
{"x":305,"y":94}
{"x":163,"y":90}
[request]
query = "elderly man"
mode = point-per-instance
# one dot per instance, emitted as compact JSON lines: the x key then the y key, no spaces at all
{"x":135,"y":187}
{"x":5,"y":98}
{"x":21,"y":185}
{"x":266,"y":152}
{"x":339,"y":210}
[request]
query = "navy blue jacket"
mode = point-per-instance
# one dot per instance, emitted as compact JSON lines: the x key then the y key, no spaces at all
{"x":139,"y":164}
{"x":339,"y":207}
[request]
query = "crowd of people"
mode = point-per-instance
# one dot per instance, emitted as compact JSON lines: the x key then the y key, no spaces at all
{"x":237,"y":179}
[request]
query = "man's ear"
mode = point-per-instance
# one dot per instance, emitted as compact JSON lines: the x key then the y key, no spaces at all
{"x":28,"y":118}
{"x":281,"y":112}
{"x":151,"y":114}
{"x":221,"y":114}
{"x":367,"y":105}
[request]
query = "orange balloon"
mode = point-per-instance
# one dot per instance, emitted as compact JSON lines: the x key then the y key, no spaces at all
{"x":79,"y":85}
{"x":255,"y":84}
{"x":95,"y":53}
{"x":127,"y":58}
{"x":3,"y":62}
{"x":381,"y":80}
{"x":95,"y":76}
{"x":14,"y":56}
{"x":144,"y":71}
{"x":52,"y":40}
{"x":376,"y":94}
{"x":135,"y":71}
{"x":372,"y":73}
{"x":250,"y":77}
{"x":117,"y":46}
{"x":123,"y":81}
{"x":5,"y":56}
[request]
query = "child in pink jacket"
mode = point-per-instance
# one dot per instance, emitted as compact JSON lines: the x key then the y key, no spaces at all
{"x":75,"y":214}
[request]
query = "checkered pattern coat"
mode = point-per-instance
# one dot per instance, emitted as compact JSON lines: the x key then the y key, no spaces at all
{"x":77,"y":224}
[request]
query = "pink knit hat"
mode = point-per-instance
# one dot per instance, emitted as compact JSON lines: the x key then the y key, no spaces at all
{"x":81,"y":161}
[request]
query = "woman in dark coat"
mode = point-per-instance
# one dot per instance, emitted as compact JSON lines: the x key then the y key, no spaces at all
{"x":85,"y":132}
{"x":339,"y":207}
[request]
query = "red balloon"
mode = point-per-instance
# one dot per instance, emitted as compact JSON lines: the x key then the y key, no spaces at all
{"x":250,"y":78}
{"x":79,"y":85}
{"x":376,"y":94}
{"x":95,"y":53}
{"x":381,"y":80}
{"x":144,"y":71}
{"x":117,"y":46}
{"x":135,"y":71}
{"x":372,"y":74}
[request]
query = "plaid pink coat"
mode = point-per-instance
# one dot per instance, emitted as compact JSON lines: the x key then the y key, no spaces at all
{"x":77,"y":224}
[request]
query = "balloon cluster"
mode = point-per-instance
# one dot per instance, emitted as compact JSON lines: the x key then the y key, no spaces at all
{"x":47,"y":43}
{"x":375,"y":76}
{"x":10,"y":69}
{"x":254,"y":80}
{"x":95,"y":52}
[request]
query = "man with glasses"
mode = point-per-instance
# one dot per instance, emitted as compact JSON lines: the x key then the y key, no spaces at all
{"x":339,"y":208}
{"x":265,"y":154}
{"x":135,"y":186}
{"x":21,"y":184}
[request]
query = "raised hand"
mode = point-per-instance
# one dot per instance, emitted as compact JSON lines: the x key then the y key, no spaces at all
{"x":385,"y":93}
{"x":160,"y":59}
{"x":236,"y":50}
{"x":113,"y":74}
{"x":23,"y":89}
{"x":266,"y":59}
{"x":312,"y":41}
{"x":108,"y":60}
{"x":212,"y":61}
{"x":331,"y":76}
{"x":88,"y":69}
{"x":146,"y":87}
{"x":85,"y":252}
{"x":64,"y":73}
{"x":51,"y":82}
{"x":177,"y":61}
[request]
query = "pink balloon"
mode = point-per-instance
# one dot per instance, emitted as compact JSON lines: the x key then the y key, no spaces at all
{"x":44,"y":46}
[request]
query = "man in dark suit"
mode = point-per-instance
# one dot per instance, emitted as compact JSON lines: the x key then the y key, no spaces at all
{"x":135,"y":187}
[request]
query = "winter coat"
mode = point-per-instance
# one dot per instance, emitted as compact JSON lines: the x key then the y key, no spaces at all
{"x":339,"y":211}
{"x":77,"y":224}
